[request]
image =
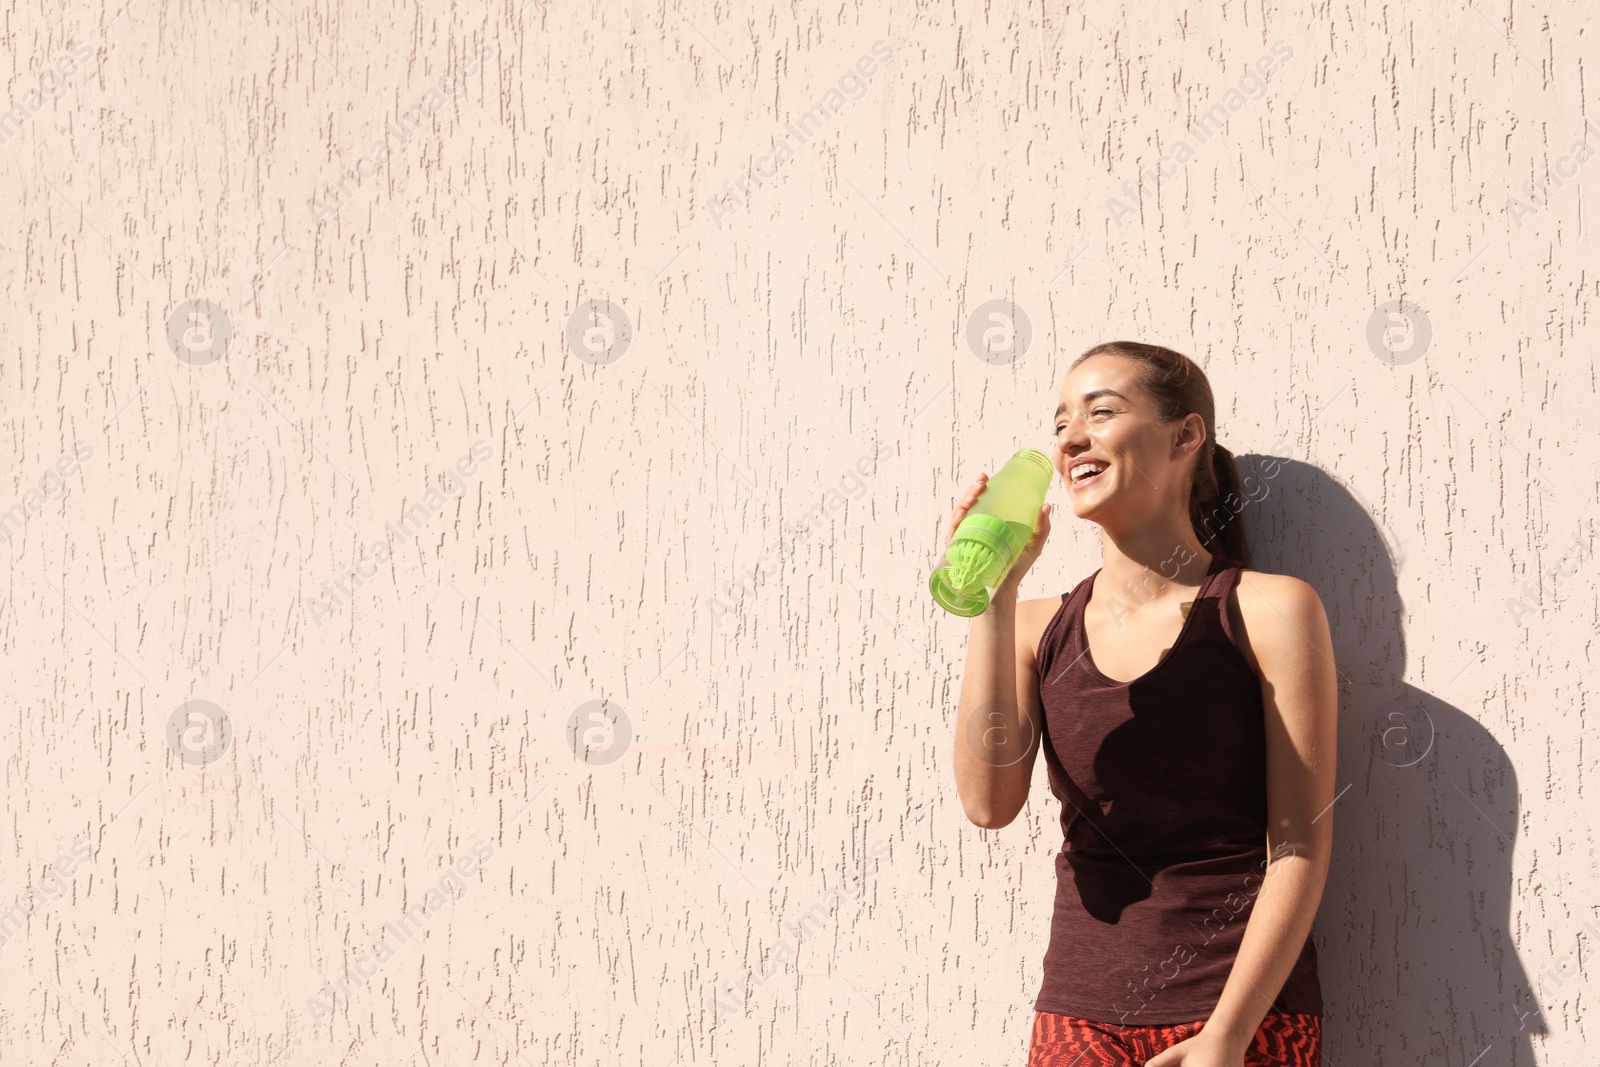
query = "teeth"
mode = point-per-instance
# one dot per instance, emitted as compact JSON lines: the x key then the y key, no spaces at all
{"x":1086,"y":471}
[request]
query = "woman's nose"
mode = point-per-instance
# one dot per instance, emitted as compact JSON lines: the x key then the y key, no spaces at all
{"x":1071,"y":432}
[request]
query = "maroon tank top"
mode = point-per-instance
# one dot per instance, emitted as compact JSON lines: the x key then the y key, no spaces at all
{"x":1163,"y":786}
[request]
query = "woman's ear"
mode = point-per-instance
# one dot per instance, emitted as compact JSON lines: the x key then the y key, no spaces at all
{"x":1191,"y":434}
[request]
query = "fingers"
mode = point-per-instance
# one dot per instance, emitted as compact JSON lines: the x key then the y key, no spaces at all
{"x":1031,"y":551}
{"x":1041,"y":531}
{"x":974,"y":491}
{"x":964,"y":503}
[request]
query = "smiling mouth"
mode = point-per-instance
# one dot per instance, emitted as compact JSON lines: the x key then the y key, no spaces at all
{"x":1075,"y":482}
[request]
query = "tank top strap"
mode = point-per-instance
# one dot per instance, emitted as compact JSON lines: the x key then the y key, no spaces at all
{"x":1063,"y":632}
{"x":1221,"y":583}
{"x":1216,"y":574}
{"x":1083,"y":585}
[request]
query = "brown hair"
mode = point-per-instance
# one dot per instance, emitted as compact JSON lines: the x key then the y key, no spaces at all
{"x":1179,"y":387}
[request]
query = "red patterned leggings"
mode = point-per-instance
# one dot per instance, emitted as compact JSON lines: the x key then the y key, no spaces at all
{"x":1065,"y":1041}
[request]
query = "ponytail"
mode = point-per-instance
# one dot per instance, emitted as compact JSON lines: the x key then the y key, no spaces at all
{"x":1214,"y":506}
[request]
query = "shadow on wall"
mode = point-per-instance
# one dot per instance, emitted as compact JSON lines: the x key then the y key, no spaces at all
{"x":1413,"y":936}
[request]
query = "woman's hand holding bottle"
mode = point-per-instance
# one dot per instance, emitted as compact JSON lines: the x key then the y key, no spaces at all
{"x":1030,"y":552}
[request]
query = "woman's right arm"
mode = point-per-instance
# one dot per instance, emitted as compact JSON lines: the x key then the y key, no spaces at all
{"x":998,"y":719}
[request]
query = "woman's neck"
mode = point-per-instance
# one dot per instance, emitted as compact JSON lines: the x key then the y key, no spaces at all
{"x":1161,"y":555}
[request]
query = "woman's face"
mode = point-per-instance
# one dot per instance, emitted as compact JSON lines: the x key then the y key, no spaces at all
{"x":1107,"y":419}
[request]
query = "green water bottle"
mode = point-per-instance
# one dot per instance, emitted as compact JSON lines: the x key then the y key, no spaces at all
{"x":992,"y":534}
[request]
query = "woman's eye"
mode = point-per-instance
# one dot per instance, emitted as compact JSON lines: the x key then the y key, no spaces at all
{"x":1096,"y":411}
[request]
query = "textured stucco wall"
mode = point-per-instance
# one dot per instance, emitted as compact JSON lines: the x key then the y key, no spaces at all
{"x":690,"y":526}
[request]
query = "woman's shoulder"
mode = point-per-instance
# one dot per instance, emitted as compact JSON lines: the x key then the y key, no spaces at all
{"x":1265,"y":607}
{"x":1033,"y":619}
{"x":1265,"y":590}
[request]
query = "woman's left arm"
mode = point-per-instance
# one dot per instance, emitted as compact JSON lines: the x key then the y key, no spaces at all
{"x":1286,"y":638}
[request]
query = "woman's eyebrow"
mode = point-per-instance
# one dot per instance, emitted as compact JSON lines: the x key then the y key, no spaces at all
{"x":1089,"y":397}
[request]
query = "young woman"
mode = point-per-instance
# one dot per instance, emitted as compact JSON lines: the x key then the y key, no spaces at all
{"x":1187,"y":709}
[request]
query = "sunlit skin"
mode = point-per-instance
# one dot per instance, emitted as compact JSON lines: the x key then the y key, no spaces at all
{"x":1140,"y":503}
{"x":1141,"y":500}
